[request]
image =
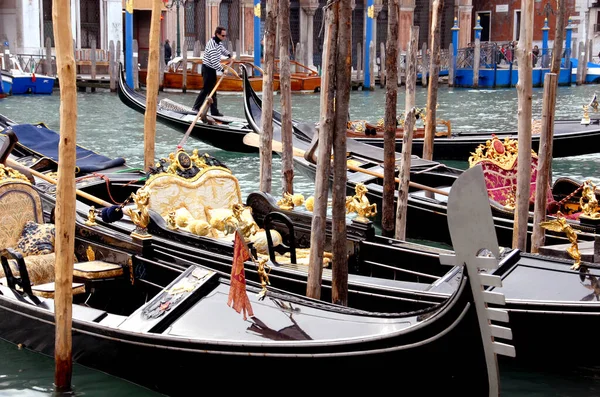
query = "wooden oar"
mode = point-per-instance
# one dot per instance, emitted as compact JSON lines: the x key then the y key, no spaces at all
{"x":202,"y":108}
{"x":99,"y":201}
{"x":253,"y":139}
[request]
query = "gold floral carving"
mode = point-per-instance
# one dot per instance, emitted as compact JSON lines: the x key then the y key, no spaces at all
{"x":289,"y":201}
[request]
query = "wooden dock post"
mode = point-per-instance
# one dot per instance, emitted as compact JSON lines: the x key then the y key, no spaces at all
{"x":434,"y":72}
{"x":266,"y":136}
{"x":238,"y":49}
{"x":424,"y":60}
{"x":48,"y":61}
{"x":545,"y":160}
{"x":451,"y":70}
{"x":184,"y":71}
{"x":409,"y":122}
{"x":343,"y":80}
{"x":524,"y":93}
{"x":388,"y":219}
{"x":285,"y":86}
{"x":326,"y":124}
{"x":197,"y":49}
{"x":65,"y":196}
{"x":580,"y":64}
{"x":117,"y":57}
{"x":152,"y":86}
{"x":93,"y":62}
{"x":477,"y":53}
{"x":111,"y":66}
{"x":584,"y":63}
{"x":399,"y":67}
{"x":136,"y":81}
{"x":372,"y":62}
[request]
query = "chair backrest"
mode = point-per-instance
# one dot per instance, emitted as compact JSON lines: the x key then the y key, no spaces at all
{"x":213,"y":187}
{"x":19,"y":203}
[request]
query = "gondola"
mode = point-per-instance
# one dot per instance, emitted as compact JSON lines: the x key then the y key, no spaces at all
{"x":225,"y":133}
{"x":571,"y":138}
{"x":164,"y":326}
{"x":383,"y":272}
{"x":426,"y":217}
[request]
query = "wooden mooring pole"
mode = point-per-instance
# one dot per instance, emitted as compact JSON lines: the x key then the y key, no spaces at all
{"x":409,"y":122}
{"x":339,"y":276}
{"x":434,"y":72}
{"x":545,"y":161}
{"x":112,"y":71}
{"x":266,"y":154}
{"x":285,"y":79}
{"x":389,"y":140}
{"x":136,"y":74}
{"x":65,"y":195}
{"x":152,"y":86}
{"x":184,"y":71}
{"x":524,"y":92}
{"x":319,"y":220}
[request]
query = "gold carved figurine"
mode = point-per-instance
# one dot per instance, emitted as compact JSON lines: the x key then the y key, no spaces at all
{"x":263,"y":272}
{"x":360,"y":204}
{"x":560,"y":224}
{"x":91,"y":220}
{"x":141,"y":218}
{"x":289,"y":201}
{"x":589,"y":201}
{"x":90,"y":254}
{"x":585,"y":120}
{"x":247,"y":228}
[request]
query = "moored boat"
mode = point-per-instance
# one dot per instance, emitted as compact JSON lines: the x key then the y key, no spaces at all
{"x":28,"y":82}
{"x":159,"y":324}
{"x":232,"y":82}
{"x":225,"y":133}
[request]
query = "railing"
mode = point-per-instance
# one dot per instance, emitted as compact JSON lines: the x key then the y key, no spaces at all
{"x":494,"y":56}
{"x":35,"y":63}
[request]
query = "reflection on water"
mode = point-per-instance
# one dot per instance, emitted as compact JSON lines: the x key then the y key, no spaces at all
{"x":107,"y":126}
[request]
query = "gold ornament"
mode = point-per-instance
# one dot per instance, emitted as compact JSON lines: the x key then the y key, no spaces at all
{"x":360,"y":204}
{"x":588,"y":201}
{"x":560,"y":224}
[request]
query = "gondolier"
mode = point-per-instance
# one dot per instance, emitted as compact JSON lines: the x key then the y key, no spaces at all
{"x":211,"y":65}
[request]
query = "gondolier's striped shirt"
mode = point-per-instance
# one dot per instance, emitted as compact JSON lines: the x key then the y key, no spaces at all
{"x":212,"y":55}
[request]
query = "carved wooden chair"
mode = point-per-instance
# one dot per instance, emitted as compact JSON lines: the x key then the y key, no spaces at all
{"x":26,"y":242}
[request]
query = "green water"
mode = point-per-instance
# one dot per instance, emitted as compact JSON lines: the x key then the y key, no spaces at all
{"x":109,"y":127}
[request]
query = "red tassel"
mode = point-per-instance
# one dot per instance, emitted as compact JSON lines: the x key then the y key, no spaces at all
{"x":33,"y":77}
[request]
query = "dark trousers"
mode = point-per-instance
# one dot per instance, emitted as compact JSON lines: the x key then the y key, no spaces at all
{"x":209,"y":77}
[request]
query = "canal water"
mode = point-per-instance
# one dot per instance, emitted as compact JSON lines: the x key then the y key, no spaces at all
{"x":109,"y":127}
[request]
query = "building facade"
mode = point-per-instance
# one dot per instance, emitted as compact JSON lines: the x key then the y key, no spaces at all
{"x":25,"y":24}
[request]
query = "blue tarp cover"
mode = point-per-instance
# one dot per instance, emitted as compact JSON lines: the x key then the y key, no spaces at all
{"x":45,"y":142}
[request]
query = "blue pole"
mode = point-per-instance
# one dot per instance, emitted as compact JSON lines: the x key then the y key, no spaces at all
{"x":455,"y":30}
{"x":568,"y":43}
{"x":129,"y":42}
{"x":368,"y":39}
{"x":545,"y":30}
{"x":257,"y":49}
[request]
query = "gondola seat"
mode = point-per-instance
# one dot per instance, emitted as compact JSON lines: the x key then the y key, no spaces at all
{"x":198,"y":202}
{"x":26,"y":242}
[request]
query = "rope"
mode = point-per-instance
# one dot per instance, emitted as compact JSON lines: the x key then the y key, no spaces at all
{"x":563,"y":201}
{"x":108,"y":189}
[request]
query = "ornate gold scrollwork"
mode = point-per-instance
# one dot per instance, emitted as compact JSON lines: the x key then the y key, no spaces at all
{"x":289,"y":201}
{"x":560,"y":224}
{"x":360,"y":204}
{"x":589,"y":201}
{"x":171,"y":222}
{"x":9,"y":173}
{"x":503,"y":154}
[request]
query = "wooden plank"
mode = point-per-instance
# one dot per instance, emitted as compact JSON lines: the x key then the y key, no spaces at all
{"x":184,"y":70}
{"x":48,"y":62}
{"x":136,"y":77}
{"x":93,"y":59}
{"x":111,"y":67}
